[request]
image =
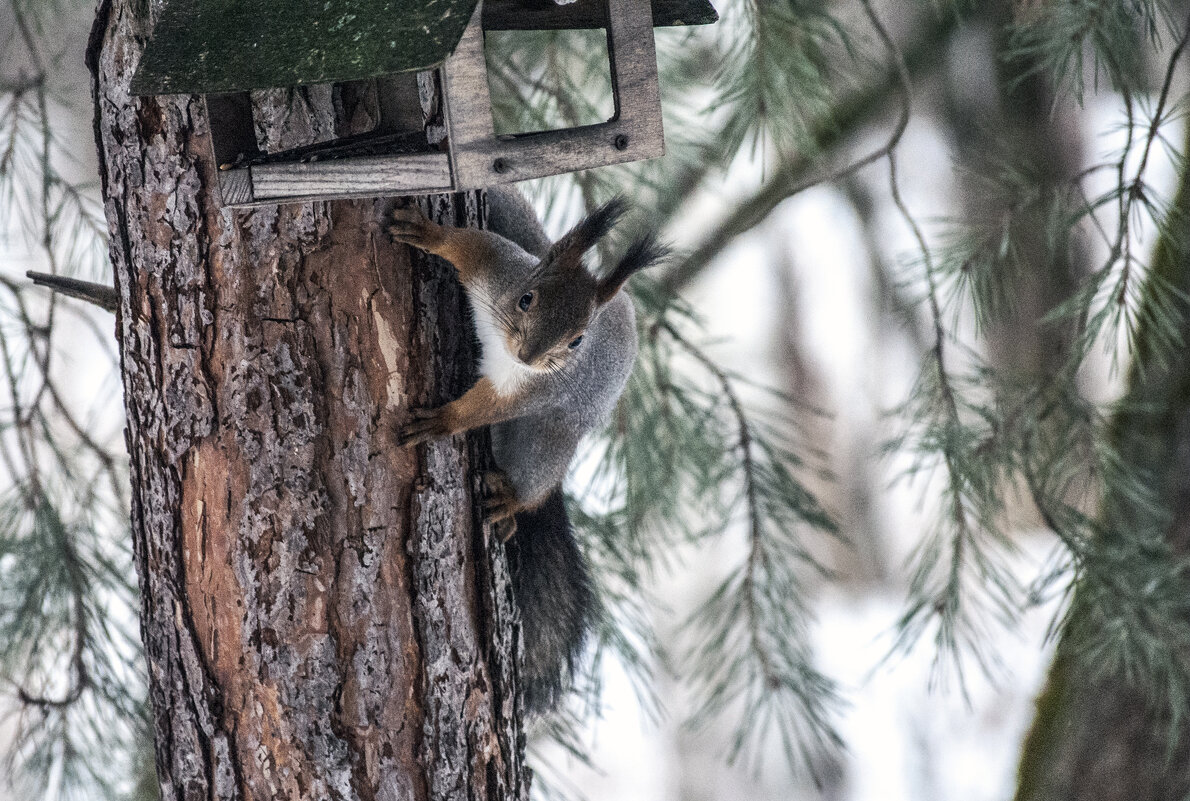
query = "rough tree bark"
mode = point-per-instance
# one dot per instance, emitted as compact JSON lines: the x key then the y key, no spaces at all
{"x":322,"y":617}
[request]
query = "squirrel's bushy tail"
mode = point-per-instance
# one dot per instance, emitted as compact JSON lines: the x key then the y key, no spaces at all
{"x":557,"y":603}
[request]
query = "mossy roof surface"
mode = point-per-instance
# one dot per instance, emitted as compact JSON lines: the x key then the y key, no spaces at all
{"x":202,"y":46}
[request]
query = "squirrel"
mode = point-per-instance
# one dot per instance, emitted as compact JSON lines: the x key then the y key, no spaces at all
{"x":557,"y":346}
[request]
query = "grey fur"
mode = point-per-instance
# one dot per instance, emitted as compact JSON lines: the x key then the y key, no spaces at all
{"x":558,"y":344}
{"x":535,"y":448}
{"x":550,"y":579}
{"x":512,"y":216}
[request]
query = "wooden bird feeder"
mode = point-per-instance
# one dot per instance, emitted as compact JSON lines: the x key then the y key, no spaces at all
{"x":224,"y":48}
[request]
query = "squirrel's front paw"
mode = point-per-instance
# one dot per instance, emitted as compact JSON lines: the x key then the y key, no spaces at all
{"x":500,"y":504}
{"x":410,"y":226}
{"x":426,"y":424}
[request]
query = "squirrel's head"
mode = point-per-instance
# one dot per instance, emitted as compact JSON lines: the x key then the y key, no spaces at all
{"x":546,"y":315}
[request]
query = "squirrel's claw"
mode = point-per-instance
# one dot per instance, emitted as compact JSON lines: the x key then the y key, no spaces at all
{"x":410,"y":226}
{"x":500,"y":504}
{"x":501,"y":516}
{"x":495,"y":482}
{"x":426,"y":424}
{"x":504,"y":529}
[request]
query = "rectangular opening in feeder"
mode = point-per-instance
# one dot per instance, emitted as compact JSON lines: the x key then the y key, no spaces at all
{"x":548,"y":80}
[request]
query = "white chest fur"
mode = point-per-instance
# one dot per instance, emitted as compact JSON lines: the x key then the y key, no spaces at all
{"x":498,"y":365}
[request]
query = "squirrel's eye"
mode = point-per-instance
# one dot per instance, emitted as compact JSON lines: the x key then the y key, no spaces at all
{"x":526,"y":301}
{"x":574,"y":343}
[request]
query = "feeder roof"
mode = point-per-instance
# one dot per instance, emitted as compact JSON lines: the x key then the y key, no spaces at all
{"x":226,"y":45}
{"x":205,"y":46}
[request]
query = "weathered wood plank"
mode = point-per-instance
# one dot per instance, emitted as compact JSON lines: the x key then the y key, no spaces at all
{"x":235,"y":188}
{"x":536,"y":15}
{"x":355,"y":177}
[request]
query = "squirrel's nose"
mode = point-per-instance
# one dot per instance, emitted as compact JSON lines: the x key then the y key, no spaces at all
{"x":527,"y":354}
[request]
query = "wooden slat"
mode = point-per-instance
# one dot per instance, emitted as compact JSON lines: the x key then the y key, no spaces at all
{"x":633,"y":57}
{"x":354,"y":177}
{"x":556,"y":152}
{"x":467,"y":104}
{"x":235,"y":187}
{"x":546,"y":15}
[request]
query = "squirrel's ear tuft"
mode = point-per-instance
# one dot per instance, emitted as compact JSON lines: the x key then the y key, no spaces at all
{"x":643,"y":253}
{"x":570,"y":248}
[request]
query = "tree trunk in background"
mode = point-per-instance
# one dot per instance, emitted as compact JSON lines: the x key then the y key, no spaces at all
{"x":320,"y":613}
{"x":1097,"y":738}
{"x":1001,"y":105}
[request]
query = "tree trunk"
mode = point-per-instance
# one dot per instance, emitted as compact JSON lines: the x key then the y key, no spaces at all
{"x":321,"y":613}
{"x":1021,"y":120}
{"x":1100,"y":737}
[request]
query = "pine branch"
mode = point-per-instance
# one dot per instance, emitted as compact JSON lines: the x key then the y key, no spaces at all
{"x":799,"y":174}
{"x":1111,"y":287}
{"x":1057,"y":37}
{"x":754,"y":664}
{"x":755,"y":515}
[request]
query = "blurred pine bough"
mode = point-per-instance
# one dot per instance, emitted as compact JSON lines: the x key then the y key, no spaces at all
{"x":1044,"y":263}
